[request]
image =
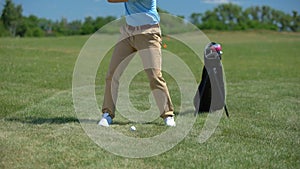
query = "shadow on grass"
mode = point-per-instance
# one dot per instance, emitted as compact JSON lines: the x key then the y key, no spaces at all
{"x":41,"y":120}
{"x":134,"y":123}
{"x":121,"y":122}
{"x":64,"y":120}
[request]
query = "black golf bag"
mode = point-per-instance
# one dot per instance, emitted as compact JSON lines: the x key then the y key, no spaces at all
{"x":210,"y":95}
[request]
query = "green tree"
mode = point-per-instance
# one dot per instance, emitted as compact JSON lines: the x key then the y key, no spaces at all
{"x":210,"y":20}
{"x":3,"y":30}
{"x":195,"y":19}
{"x":11,"y":16}
{"x":281,"y":20}
{"x":74,"y":27}
{"x":31,"y":27}
{"x":295,"y":24}
{"x":230,"y":15}
{"x":88,"y":26}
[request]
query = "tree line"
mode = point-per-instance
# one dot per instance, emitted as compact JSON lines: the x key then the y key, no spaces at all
{"x":223,"y":17}
{"x":233,"y":17}
{"x":13,"y":23}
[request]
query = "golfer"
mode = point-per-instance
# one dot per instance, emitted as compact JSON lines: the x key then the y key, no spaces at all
{"x":141,"y":34}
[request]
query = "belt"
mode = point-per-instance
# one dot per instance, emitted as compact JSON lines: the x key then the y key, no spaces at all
{"x":142,"y":27}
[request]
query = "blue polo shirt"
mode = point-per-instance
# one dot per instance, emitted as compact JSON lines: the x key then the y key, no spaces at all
{"x":141,"y":12}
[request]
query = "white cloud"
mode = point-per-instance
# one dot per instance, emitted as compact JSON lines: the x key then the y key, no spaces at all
{"x":218,"y":1}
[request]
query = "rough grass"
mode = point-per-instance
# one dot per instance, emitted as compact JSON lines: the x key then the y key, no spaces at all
{"x":39,"y":127}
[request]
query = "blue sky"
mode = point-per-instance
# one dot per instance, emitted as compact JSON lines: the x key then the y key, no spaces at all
{"x":79,"y":9}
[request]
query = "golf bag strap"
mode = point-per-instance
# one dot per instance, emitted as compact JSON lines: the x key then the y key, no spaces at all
{"x":226,"y":111}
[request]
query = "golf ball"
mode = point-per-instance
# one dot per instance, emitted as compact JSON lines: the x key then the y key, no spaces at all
{"x":132,"y":128}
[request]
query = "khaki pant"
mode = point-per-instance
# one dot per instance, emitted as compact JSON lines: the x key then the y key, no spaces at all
{"x":146,"y":41}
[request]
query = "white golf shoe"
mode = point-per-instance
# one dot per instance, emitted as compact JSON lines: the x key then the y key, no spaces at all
{"x":105,"y":121}
{"x":169,"y":121}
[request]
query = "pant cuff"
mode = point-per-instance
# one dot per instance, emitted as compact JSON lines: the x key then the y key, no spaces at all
{"x":166,"y":114}
{"x":111,"y":114}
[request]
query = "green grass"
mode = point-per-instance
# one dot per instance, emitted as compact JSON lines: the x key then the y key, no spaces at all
{"x":39,"y":127}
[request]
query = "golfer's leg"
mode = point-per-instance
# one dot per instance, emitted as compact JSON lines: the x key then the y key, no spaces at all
{"x":122,"y":54}
{"x":150,"y":52}
{"x":160,"y":92}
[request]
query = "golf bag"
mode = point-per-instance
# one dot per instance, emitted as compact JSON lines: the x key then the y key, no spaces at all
{"x":210,"y":95}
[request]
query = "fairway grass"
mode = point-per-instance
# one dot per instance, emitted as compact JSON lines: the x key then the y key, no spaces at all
{"x":39,"y":127}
